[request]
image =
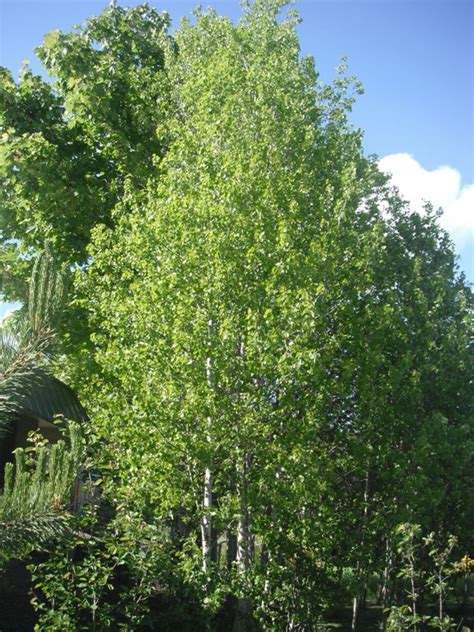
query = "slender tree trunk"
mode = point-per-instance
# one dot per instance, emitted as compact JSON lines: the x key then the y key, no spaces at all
{"x":440,"y":581}
{"x":243,"y":615}
{"x":386,"y":573}
{"x":206,"y":521}
{"x":355,"y":603}
{"x":243,"y":542}
{"x":363,"y":602}
{"x":413,"y":590}
{"x":359,"y":569}
{"x":243,"y":526}
{"x":265,"y":562}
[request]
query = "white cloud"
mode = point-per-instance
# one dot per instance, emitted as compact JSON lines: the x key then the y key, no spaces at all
{"x":441,"y":186}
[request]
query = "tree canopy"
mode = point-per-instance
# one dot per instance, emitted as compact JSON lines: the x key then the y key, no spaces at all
{"x":93,"y":126}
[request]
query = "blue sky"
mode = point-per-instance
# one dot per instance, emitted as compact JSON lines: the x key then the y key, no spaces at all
{"x":415,"y":59}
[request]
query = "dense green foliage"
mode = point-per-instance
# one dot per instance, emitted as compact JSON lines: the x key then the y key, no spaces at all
{"x":278,"y":364}
{"x":70,"y":150}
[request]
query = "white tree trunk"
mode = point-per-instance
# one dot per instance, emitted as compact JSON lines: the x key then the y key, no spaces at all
{"x":359,"y":568}
{"x":206,"y":521}
{"x":243,"y":615}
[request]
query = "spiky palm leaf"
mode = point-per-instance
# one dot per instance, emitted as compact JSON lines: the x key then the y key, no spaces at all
{"x":21,"y":369}
{"x":34,"y":502}
{"x":26,"y":338}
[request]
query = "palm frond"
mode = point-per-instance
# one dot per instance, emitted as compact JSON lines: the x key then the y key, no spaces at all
{"x":25,"y":340}
{"x":37,"y":490}
{"x":21,"y":369}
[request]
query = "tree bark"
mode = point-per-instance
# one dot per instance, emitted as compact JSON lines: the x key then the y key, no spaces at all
{"x":386,"y":574}
{"x":206,"y":521}
{"x":413,"y":590}
{"x":243,"y":615}
{"x":361,"y":574}
{"x":243,"y":526}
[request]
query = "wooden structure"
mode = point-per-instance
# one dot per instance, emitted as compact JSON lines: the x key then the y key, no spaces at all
{"x":46,"y":402}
